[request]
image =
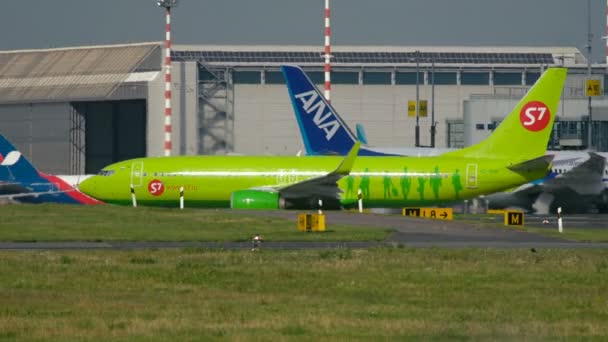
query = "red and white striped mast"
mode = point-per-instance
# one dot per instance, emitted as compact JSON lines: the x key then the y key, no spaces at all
{"x":327,"y":54}
{"x":167,"y":4}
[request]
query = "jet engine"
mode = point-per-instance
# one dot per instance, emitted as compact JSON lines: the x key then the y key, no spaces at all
{"x":256,"y":199}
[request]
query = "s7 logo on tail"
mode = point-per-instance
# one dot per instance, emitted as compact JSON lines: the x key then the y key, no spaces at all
{"x":535,"y":116}
{"x":311,"y":102}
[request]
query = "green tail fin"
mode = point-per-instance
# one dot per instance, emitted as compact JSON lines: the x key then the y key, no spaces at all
{"x":524,"y":133}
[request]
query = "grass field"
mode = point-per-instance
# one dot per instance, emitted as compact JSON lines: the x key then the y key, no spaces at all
{"x":574,"y":234}
{"x":390,"y":294}
{"x":111,"y":223}
{"x":570,"y":233}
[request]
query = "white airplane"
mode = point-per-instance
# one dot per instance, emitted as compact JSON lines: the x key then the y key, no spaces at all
{"x":578,"y":183}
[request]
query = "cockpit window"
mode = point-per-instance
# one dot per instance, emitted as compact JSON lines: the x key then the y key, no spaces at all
{"x":106,"y":173}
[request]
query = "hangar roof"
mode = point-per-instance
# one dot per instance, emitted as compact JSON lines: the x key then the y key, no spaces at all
{"x":73,"y":73}
{"x":378,"y":55}
{"x":102,"y":72}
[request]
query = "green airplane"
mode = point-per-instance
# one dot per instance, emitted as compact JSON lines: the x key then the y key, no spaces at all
{"x":513,"y":155}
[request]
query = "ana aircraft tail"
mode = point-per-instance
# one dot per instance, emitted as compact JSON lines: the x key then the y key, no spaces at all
{"x":323,"y":131}
{"x":524,"y":133}
{"x":13,"y":165}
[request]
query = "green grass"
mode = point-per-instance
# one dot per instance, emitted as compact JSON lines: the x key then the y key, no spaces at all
{"x":574,"y":234}
{"x":378,"y":294}
{"x":112,"y":223}
{"x":569,"y":233}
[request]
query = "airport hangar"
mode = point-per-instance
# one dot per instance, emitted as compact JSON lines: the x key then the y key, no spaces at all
{"x":75,"y":110}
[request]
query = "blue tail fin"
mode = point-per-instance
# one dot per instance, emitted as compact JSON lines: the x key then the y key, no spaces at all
{"x":323,"y":131}
{"x":13,"y":165}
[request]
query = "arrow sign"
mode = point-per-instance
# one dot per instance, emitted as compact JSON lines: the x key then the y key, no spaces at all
{"x":437,"y":213}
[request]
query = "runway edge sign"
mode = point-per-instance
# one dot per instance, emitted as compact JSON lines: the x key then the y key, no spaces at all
{"x":432,"y":213}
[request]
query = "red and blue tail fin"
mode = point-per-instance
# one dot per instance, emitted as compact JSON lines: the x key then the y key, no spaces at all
{"x":13,"y":165}
{"x":33,"y":186}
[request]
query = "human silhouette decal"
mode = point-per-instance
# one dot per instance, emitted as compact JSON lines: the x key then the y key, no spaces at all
{"x":364,"y":184}
{"x":456,"y":183}
{"x":350,"y":183}
{"x":435,"y":182}
{"x":406,"y":183}
{"x":389,"y":188}
{"x":420,"y":189}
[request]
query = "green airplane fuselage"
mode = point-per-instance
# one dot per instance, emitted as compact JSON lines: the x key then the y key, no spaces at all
{"x":511,"y":156}
{"x":209,"y":181}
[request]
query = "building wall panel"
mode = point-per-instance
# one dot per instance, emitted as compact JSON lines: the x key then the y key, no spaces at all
{"x":41,"y":132}
{"x":265,"y":122}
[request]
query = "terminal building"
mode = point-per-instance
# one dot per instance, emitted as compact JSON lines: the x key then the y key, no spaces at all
{"x":75,"y":110}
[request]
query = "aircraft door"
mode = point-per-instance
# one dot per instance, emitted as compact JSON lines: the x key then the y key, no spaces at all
{"x":471,"y":176}
{"x":137,"y":173}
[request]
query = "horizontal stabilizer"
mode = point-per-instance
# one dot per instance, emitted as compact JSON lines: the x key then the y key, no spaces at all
{"x":13,"y":188}
{"x":536,"y":164}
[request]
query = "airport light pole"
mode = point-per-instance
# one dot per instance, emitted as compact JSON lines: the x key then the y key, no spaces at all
{"x":167,"y":4}
{"x":433,"y":128}
{"x":606,"y":34}
{"x":555,"y":131}
{"x":589,"y":38}
{"x":417,"y":132}
{"x":562,"y":59}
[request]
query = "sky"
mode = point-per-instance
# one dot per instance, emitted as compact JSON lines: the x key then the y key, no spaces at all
{"x":27,"y":24}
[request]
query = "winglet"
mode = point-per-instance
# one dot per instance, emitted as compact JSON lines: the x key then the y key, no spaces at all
{"x":361,"y":134}
{"x":347,"y":164}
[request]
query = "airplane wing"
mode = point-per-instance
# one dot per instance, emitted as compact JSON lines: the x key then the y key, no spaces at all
{"x":324,"y":187}
{"x":584,"y":179}
{"x":571,"y":189}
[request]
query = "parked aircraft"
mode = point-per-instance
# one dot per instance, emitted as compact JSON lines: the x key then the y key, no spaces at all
{"x":513,"y":155}
{"x":327,"y":133}
{"x":576,"y":182}
{"x":20,"y":181}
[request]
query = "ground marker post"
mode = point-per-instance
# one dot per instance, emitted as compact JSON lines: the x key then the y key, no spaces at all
{"x":181,"y":197}
{"x":360,"y":200}
{"x":256,"y":242}
{"x":133,"y":199}
{"x":560,"y":225}
{"x":320,"y":207}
